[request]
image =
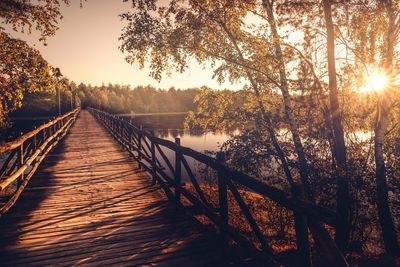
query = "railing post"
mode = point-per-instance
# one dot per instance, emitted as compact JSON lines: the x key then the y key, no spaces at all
{"x":140,"y":145}
{"x":35,"y":141}
{"x":222,"y":195}
{"x":21,"y":163}
{"x":48,"y":132}
{"x":121,"y":123}
{"x":121,"y":128}
{"x":118,"y":127}
{"x":127,"y":133}
{"x":129,"y":138}
{"x":123,"y":141}
{"x":153,"y":159}
{"x":301,"y":226}
{"x":178,"y":170}
{"x":58,"y":125}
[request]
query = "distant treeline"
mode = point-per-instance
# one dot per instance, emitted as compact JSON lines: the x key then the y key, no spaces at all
{"x":113,"y":98}
{"x":141,"y":99}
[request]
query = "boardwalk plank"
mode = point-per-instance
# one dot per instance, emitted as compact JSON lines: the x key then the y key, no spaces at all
{"x":89,"y":204}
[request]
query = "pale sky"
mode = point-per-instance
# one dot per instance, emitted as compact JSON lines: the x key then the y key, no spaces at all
{"x":85,"y":48}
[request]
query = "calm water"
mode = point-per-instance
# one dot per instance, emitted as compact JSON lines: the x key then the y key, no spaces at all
{"x":168,"y":126}
{"x":171,"y":126}
{"x":21,"y":126}
{"x":164,"y":126}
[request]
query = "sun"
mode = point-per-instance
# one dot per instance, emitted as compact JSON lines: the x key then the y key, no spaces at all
{"x":376,"y":82}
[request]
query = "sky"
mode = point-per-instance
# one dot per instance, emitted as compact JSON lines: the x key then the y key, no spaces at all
{"x":85,"y":48}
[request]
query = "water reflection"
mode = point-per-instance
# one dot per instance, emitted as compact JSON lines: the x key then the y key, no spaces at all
{"x":170,"y":126}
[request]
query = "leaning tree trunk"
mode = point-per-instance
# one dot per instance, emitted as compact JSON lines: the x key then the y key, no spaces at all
{"x":339,"y":146}
{"x":284,"y":87}
{"x":382,"y":120}
{"x":385,"y":216}
{"x":265,"y":117}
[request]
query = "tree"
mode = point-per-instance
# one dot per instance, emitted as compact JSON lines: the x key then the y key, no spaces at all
{"x":250,"y":40}
{"x":210,"y":31}
{"x":42,"y":15}
{"x":119,"y":99}
{"x":284,"y":87}
{"x":339,"y":147}
{"x":22,"y":68}
{"x":382,"y":120}
{"x":373,"y":33}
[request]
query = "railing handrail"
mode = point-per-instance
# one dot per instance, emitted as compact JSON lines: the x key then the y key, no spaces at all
{"x":17,"y":142}
{"x":27,"y":152}
{"x":308,"y":216}
{"x":320,"y":213}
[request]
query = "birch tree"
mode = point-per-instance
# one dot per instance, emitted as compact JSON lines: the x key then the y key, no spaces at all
{"x":215,"y":31}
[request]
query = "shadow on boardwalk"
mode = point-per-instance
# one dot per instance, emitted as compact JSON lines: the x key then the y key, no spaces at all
{"x":89,"y":204}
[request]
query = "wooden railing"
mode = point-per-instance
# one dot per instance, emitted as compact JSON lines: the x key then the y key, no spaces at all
{"x":23,"y":156}
{"x":149,"y":151}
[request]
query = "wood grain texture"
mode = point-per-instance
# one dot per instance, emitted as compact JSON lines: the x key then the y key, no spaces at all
{"x":89,"y":204}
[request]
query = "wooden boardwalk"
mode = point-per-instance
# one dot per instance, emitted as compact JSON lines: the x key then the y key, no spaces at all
{"x":89,"y":204}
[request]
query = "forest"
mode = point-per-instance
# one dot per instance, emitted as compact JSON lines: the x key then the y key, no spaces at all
{"x":115,"y":99}
{"x":340,"y":142}
{"x":319,"y":108}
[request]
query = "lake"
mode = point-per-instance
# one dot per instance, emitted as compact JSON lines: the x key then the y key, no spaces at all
{"x":21,"y":126}
{"x":165,"y":126}
{"x":170,"y":126}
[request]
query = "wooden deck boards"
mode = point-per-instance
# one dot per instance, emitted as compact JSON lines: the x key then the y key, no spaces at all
{"x":90,"y":205}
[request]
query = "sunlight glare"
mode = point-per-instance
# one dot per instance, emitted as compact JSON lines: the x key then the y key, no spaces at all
{"x":376,"y":82}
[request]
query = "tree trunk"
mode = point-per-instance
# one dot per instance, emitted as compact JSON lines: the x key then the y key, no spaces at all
{"x":339,"y":146}
{"x":382,"y":120}
{"x":264,"y":115}
{"x":385,"y":216}
{"x":303,"y":169}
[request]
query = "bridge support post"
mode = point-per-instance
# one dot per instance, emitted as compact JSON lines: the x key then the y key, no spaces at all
{"x":178,"y":170}
{"x":140,"y":146}
{"x":120,"y":129}
{"x":35,"y":141}
{"x":43,"y":137}
{"x":21,"y":162}
{"x":153,"y":159}
{"x":123,"y":135}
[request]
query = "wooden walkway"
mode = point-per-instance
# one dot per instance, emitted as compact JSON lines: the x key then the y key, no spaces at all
{"x":89,"y":204}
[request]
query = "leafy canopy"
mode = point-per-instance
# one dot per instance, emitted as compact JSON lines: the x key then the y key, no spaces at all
{"x":22,"y":68}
